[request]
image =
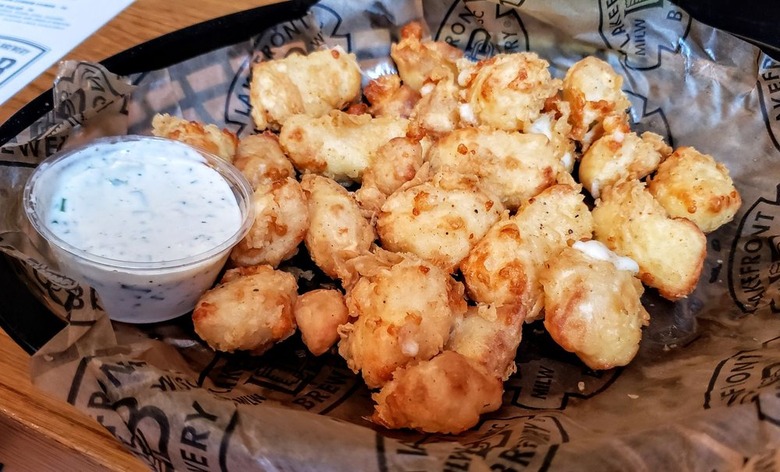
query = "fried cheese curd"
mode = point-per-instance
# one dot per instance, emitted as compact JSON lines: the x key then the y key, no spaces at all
{"x":693,"y":185}
{"x":438,"y":110}
{"x":388,"y":97}
{"x":318,"y":314}
{"x":281,"y":221}
{"x":506,"y":91}
{"x":554,"y":123}
{"x":395,"y":163}
{"x":489,"y":335}
{"x":446,"y":394}
{"x":337,"y":230}
{"x":439,"y":220}
{"x":419,"y":61}
{"x":592,"y":308}
{"x":404,"y":308}
{"x":337,"y":145}
{"x":208,"y":137}
{"x":503,"y":267}
{"x":251,"y":309}
{"x":593,"y":90}
{"x":262,"y":161}
{"x":311,"y":85}
{"x":621,"y":154}
{"x":513,"y":166}
{"x":670,"y":251}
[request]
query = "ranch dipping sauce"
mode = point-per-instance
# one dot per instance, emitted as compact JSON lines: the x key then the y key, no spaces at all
{"x":147,"y":222}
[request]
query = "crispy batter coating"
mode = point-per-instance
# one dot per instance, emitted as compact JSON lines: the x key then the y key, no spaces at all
{"x":337,"y":230}
{"x":503,"y":268}
{"x":554,"y":123}
{"x":337,"y":145}
{"x":621,"y":154}
{"x":280,"y":224}
{"x":593,"y":90}
{"x":443,"y":395}
{"x":692,"y":185}
{"x":513,"y":166}
{"x":439,"y":220}
{"x":250,"y":309}
{"x":593,"y":309}
{"x":312,"y":85}
{"x":490,"y":336}
{"x":388,"y":97}
{"x":438,"y":110}
{"x":319,"y":313}
{"x":404,"y":308}
{"x":260,"y":158}
{"x":219,"y":142}
{"x":418,"y":61}
{"x":670,"y":251}
{"x":395,"y":163}
{"x":506,"y":91}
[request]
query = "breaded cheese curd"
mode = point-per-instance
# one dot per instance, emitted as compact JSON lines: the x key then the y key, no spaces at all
{"x":592,"y":308}
{"x":311,"y":85}
{"x":404,"y":309}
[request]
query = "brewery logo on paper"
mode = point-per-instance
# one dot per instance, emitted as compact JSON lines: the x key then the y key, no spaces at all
{"x":521,"y":442}
{"x":646,"y":118}
{"x":754,"y":262}
{"x":15,"y":55}
{"x":548,"y":384}
{"x":769,"y":92}
{"x":294,"y":377}
{"x":482,"y":28}
{"x":741,"y":378}
{"x":642,"y":29}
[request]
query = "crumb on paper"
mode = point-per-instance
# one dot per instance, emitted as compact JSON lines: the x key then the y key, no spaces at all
{"x":633,"y":396}
{"x":581,"y":386}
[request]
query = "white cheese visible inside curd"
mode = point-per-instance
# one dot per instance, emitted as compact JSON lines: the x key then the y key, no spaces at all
{"x":598,"y":250}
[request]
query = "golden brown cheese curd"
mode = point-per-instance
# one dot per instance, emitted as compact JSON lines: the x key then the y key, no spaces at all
{"x":506,"y":91}
{"x":443,"y":395}
{"x":281,"y":221}
{"x":337,"y":230}
{"x":419,"y":61}
{"x":670,"y":251}
{"x":593,"y":309}
{"x":210,"y":138}
{"x":318,"y":314}
{"x":337,"y":145}
{"x":554,"y":124}
{"x":489,"y":335}
{"x":388,"y":97}
{"x":262,"y":161}
{"x":503,"y":268}
{"x":619,"y":155}
{"x":395,"y":163}
{"x":438,"y":220}
{"x":513,"y":166}
{"x":251,"y":309}
{"x":437,"y":112}
{"x":692,"y":185}
{"x":312,"y":85}
{"x":404,"y":309}
{"x":594,"y":92}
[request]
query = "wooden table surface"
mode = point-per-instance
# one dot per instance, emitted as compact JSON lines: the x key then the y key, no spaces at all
{"x":38,"y":433}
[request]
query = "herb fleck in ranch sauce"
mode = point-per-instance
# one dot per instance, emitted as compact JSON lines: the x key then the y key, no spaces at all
{"x":148,"y":223}
{"x":141,"y":206}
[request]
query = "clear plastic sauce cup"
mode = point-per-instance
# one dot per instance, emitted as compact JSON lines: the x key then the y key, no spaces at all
{"x":147,"y":222}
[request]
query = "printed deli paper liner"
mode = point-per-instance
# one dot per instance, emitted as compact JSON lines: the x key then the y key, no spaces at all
{"x":703,"y":393}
